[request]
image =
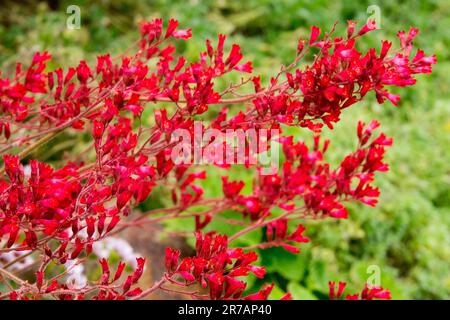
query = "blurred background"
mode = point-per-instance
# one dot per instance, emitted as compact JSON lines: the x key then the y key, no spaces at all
{"x":406,"y":237}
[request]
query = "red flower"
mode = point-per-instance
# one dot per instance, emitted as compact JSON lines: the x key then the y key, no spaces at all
{"x":332,"y":287}
{"x":231,"y":189}
{"x":245,"y":67}
{"x":182,"y":34}
{"x":83,"y":72}
{"x":139,"y":269}
{"x":315,"y":31}
{"x":263,"y":294}
{"x":172,"y":257}
{"x":173,"y":24}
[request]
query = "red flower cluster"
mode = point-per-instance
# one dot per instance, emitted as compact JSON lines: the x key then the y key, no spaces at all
{"x":56,"y":216}
{"x":50,"y":203}
{"x":215,"y":266}
{"x":106,"y":288}
{"x":43,"y":202}
{"x":368,"y":293}
{"x":306,"y":176}
{"x":339,"y":77}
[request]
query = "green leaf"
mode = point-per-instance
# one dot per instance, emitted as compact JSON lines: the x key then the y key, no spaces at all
{"x":300,"y":293}
{"x":290,"y":266}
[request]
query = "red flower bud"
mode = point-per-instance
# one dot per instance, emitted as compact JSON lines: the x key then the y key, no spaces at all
{"x":98,"y":130}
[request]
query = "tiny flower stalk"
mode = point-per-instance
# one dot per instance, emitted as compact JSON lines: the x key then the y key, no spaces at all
{"x":56,"y":213}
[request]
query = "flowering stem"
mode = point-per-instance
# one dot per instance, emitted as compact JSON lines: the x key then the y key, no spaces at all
{"x":14,"y":278}
{"x":19,"y":258}
{"x":147,"y":292}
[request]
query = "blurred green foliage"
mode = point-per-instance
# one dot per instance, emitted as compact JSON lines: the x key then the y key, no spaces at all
{"x":407,"y":234}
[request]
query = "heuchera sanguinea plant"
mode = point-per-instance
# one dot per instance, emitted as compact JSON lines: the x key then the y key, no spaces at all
{"x":55,"y":215}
